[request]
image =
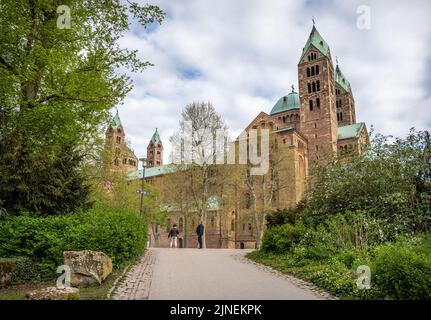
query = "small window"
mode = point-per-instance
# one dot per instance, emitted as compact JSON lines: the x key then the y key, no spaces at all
{"x":308,"y":72}
{"x":310,"y":103}
{"x":309,"y":88}
{"x":317,"y":148}
{"x":318,"y":102}
{"x":315,"y":125}
{"x":312,"y":71}
{"x":314,"y":86}
{"x":317,"y":70}
{"x":318,"y":85}
{"x":315,"y":135}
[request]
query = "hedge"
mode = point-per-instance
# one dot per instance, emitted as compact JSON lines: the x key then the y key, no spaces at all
{"x":122,"y":235}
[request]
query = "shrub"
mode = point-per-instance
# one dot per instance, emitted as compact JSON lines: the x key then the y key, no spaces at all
{"x":283,"y":216}
{"x":21,"y":268}
{"x":403,"y":272}
{"x":282,"y":238}
{"x":119,"y":234}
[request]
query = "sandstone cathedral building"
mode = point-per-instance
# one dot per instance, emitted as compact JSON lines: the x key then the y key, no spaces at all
{"x":319,"y":118}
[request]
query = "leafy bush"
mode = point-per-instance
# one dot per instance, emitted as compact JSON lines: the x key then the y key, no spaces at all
{"x":282,"y":216}
{"x":282,"y":238}
{"x":22,"y":268}
{"x":403,"y":272}
{"x":119,"y":234}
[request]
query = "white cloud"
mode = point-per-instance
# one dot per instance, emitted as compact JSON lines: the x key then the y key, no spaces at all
{"x":246,"y":55}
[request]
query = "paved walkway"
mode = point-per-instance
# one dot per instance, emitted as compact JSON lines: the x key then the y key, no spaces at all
{"x":192,"y":274}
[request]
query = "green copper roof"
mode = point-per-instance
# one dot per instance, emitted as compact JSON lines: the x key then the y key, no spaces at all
{"x":317,"y":41}
{"x":350,"y":131}
{"x":116,"y":122}
{"x":156,"y":138}
{"x":150,"y":172}
{"x":286,"y":103}
{"x":341,"y":79}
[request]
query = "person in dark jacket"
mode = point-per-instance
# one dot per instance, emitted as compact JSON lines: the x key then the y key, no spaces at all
{"x":200,"y":233}
{"x":173,"y":234}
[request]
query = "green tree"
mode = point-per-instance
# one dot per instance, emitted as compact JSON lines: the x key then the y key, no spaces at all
{"x":57,"y":85}
{"x":389,"y":182}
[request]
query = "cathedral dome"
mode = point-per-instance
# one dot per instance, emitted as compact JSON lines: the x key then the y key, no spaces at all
{"x":286,"y":103}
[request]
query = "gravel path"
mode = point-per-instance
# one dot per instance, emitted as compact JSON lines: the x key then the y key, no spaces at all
{"x":216,"y":274}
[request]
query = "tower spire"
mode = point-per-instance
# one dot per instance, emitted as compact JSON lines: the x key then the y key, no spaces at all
{"x":155,"y":151}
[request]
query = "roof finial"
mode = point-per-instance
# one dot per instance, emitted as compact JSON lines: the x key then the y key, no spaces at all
{"x":336,"y":60}
{"x":293,"y":88}
{"x":116,"y":108}
{"x":314,"y":21}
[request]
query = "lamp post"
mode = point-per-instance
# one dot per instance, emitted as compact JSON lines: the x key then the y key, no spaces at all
{"x":144,"y":163}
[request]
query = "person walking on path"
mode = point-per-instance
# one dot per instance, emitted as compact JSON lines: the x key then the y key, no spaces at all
{"x":200,"y":233}
{"x":173,"y":234}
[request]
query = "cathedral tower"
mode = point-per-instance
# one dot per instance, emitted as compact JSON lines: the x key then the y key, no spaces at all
{"x":317,"y":96}
{"x":122,"y":156}
{"x":345,"y":103}
{"x":155,"y":151}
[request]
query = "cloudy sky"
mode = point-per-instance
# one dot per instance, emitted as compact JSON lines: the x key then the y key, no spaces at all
{"x":242,"y":55}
